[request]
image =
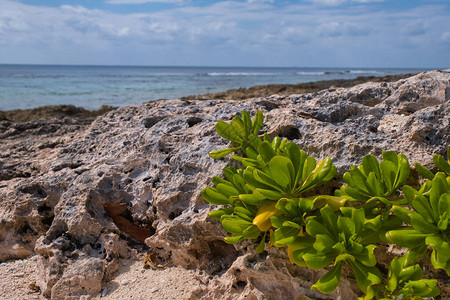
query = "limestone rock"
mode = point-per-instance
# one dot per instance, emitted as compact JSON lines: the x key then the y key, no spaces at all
{"x":55,"y":176}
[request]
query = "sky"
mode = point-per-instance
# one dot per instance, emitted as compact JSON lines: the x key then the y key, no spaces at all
{"x":285,"y":33}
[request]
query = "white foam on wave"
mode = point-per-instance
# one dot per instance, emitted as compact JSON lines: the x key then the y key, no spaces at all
{"x":365,"y":72}
{"x":310,"y":73}
{"x":241,"y":74}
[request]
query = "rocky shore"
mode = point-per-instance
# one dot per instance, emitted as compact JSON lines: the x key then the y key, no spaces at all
{"x":71,"y":111}
{"x":53,"y":112}
{"x":80,"y":195}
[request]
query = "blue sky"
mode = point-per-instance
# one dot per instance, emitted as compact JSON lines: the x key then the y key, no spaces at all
{"x":301,"y":33}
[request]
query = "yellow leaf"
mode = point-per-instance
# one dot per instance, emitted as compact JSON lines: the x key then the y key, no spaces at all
{"x":262,"y":219}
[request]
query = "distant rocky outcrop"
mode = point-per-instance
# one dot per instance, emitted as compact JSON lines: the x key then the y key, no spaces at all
{"x":61,"y":182}
{"x":289,"y":89}
{"x":53,"y":112}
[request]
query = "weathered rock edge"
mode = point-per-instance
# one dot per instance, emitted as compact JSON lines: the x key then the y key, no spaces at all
{"x":56,"y":174}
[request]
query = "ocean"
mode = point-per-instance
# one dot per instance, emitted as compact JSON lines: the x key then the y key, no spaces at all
{"x":30,"y":86}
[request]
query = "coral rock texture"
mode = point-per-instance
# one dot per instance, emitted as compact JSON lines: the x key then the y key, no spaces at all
{"x":57,"y":175}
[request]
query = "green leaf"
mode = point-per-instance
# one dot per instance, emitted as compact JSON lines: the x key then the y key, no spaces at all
{"x":329,"y":219}
{"x":227,"y":190}
{"x":439,"y":186}
{"x":276,"y":142}
{"x":373,"y":185}
{"x":228,"y":132}
{"x":229,"y":173}
{"x":324,"y":171}
{"x":356,"y":194}
{"x":266,"y":180}
{"x":212,"y":196}
{"x":308,"y":167}
{"x":257,"y":122}
{"x":370,"y":165}
{"x":244,"y":213}
{"x":247,"y":122}
{"x":266,"y":152}
{"x":269,"y":194}
{"x":389,"y":173}
{"x":298,"y":159}
{"x":406,"y":238}
{"x":329,"y":282}
{"x":233,"y":239}
{"x":317,"y":260}
{"x":251,"y":232}
{"x":421,"y":225}
{"x":346,"y":226}
{"x":441,"y":163}
{"x":444,"y":205}
{"x":324,"y":243}
{"x":410,"y":273}
{"x":302,"y":242}
{"x":285,"y":235}
{"x":262,"y":243}
{"x":440,"y":257}
{"x":414,"y":254}
{"x":403,"y":171}
{"x":282,"y":171}
{"x":356,"y":180}
{"x":222,"y":152}
{"x":239,"y":129}
{"x":277,"y":221}
{"x":365,"y":276}
{"x":421,"y":205}
{"x":424,"y":288}
{"x":252,"y":199}
{"x":424,"y":171}
{"x":366,"y":256}
{"x":235,"y":225}
{"x":216,"y":214}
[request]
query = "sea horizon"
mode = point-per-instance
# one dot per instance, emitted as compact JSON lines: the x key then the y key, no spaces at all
{"x":25,"y":86}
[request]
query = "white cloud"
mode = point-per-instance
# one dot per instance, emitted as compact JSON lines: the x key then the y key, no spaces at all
{"x":226,"y":32}
{"x":141,"y":1}
{"x":446,"y":36}
{"x":260,"y":1}
{"x":340,"y":2}
{"x":330,"y":2}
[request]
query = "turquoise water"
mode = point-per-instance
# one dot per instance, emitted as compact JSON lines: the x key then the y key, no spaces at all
{"x":30,"y":86}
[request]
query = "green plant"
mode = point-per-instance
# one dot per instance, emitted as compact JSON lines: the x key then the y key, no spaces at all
{"x":265,"y":200}
{"x":428,"y":222}
{"x":403,"y":283}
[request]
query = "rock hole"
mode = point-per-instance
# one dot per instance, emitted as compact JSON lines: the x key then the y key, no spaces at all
{"x":175,"y":214}
{"x":24,"y":228}
{"x":48,"y":220}
{"x":150,"y":122}
{"x":372,"y":129}
{"x":268,"y":105}
{"x":35,"y":190}
{"x":222,"y":254}
{"x":291,"y":133}
{"x":44,"y":209}
{"x":166,"y":149}
{"x":188,"y":187}
{"x":193,"y":121}
{"x":241,"y":284}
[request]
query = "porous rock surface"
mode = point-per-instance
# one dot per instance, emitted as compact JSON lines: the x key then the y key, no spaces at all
{"x":55,"y":176}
